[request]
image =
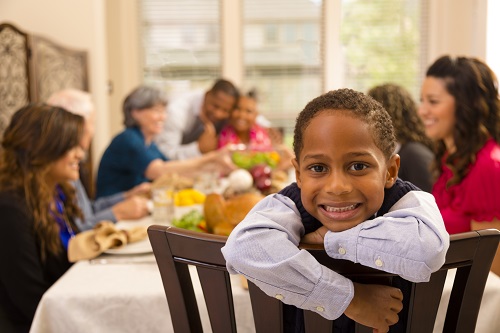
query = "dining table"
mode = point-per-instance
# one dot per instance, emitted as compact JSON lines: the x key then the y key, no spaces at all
{"x":121,"y":291}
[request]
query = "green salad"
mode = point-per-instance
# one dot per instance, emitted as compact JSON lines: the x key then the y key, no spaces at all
{"x":192,"y":220}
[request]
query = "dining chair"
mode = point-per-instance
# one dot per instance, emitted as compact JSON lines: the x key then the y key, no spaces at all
{"x":175,"y":249}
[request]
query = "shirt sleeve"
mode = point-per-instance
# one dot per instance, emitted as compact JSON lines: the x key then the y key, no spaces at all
{"x":107,"y":202}
{"x":410,"y":240}
{"x":264,"y":248}
{"x":169,"y":141}
{"x":94,"y":212}
{"x":22,"y":275}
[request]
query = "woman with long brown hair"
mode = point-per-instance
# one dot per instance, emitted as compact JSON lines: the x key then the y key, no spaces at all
{"x":461,"y":112}
{"x":40,"y":154}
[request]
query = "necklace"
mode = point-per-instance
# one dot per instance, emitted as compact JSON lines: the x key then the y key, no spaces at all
{"x":65,"y":230}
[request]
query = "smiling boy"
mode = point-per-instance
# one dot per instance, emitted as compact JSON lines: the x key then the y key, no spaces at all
{"x":349,"y":198}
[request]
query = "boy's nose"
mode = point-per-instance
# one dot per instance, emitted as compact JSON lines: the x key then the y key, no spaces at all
{"x":338,"y":183}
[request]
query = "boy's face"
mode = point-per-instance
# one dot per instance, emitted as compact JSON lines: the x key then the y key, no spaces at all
{"x":341,"y":172}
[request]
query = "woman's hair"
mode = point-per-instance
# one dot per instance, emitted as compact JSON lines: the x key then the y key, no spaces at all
{"x":356,"y":104}
{"x":141,"y":98}
{"x":400,"y":105}
{"x":474,"y":87}
{"x":36,"y":137}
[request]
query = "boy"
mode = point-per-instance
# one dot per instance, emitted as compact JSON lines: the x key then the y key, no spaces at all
{"x":348,"y":197}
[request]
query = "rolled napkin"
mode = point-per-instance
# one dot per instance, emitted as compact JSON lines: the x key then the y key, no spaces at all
{"x":91,"y":243}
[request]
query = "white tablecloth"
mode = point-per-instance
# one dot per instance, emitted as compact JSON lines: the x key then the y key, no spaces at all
{"x":488,"y":320}
{"x":119,"y":293}
{"x":117,"y":296}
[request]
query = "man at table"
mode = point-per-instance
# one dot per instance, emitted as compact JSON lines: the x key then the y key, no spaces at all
{"x":195,"y":119}
{"x":121,"y":206}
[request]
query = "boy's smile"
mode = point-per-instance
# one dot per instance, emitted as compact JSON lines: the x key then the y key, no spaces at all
{"x":341,"y":172}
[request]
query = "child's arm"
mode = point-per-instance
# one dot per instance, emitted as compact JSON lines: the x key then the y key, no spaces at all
{"x":410,"y":240}
{"x":264,"y":248}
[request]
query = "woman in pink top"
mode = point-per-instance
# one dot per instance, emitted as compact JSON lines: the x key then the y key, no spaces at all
{"x":460,"y":109}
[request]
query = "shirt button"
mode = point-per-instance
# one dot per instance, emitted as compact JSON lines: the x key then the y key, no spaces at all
{"x":279,"y":296}
{"x":320,"y":309}
{"x":342,"y":250}
{"x":379,"y":263}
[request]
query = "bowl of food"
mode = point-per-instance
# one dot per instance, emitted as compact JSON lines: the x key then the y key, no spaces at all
{"x":247,"y":158}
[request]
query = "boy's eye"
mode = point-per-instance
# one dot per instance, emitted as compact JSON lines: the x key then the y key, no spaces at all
{"x":358,"y":166}
{"x":317,"y":168}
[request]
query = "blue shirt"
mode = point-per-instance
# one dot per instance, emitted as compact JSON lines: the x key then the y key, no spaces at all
{"x":124,"y":162}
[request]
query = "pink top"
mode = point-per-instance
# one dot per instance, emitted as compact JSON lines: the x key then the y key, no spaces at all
{"x":477,"y":197}
{"x":259,"y":138}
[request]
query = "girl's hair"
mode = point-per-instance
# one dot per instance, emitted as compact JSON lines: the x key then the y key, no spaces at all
{"x":358,"y":105}
{"x":400,"y":105}
{"x":474,"y":87}
{"x":140,"y":98}
{"x":37,"y":136}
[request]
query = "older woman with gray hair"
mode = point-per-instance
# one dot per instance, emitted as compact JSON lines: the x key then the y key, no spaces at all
{"x":133,"y":157}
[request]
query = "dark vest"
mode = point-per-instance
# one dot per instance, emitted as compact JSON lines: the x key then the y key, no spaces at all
{"x":294,"y":317}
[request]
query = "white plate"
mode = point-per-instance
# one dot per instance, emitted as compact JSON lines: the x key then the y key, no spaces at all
{"x":140,"y":247}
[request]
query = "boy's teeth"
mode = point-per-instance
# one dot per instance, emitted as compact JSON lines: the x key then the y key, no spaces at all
{"x":341,"y":209}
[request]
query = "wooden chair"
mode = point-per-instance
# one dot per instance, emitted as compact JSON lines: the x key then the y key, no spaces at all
{"x":495,"y":266}
{"x":470,"y":253}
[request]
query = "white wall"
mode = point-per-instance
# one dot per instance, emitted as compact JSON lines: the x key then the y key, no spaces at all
{"x":78,"y":24}
{"x":457,"y":27}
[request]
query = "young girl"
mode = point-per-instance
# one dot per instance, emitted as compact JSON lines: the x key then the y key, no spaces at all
{"x":461,"y":112}
{"x":41,"y":154}
{"x":348,"y":197}
{"x":242,"y":127}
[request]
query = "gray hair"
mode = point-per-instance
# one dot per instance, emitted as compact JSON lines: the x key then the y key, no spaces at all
{"x":72,"y":100}
{"x":141,"y":98}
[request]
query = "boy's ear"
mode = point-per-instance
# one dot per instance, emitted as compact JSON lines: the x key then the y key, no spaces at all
{"x":392,"y":170}
{"x":297,"y":171}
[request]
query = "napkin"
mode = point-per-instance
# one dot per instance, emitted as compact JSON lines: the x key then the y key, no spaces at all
{"x":91,"y":243}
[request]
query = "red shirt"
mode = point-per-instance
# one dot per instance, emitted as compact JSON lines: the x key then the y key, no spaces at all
{"x":477,"y":197}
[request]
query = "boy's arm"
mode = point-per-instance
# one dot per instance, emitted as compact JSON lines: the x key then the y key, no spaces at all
{"x":410,"y":240}
{"x":264,"y":248}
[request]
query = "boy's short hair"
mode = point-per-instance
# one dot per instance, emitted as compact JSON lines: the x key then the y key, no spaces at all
{"x":358,"y":105}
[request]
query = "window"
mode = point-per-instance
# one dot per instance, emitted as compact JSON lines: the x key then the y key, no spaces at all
{"x":284,"y":47}
{"x":383,"y":41}
{"x":181,"y":43}
{"x":281,"y":56}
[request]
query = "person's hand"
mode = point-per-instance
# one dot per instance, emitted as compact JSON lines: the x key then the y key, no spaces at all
{"x":143,"y":189}
{"x":208,"y":140}
{"x":375,"y":306}
{"x":315,"y":237}
{"x":221,"y":161}
{"x":132,"y":208}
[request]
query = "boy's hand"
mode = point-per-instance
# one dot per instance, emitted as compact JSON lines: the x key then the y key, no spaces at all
{"x":375,"y":306}
{"x":315,"y":237}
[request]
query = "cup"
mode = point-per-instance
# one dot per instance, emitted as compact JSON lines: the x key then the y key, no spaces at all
{"x":163,"y":204}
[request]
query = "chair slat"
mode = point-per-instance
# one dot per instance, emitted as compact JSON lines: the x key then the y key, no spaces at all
{"x":216,"y":286}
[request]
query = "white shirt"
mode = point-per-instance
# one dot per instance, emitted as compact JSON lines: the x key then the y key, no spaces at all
{"x":410,"y":240}
{"x":181,"y":116}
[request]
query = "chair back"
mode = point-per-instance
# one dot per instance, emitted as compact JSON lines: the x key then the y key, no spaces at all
{"x":470,"y":254}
